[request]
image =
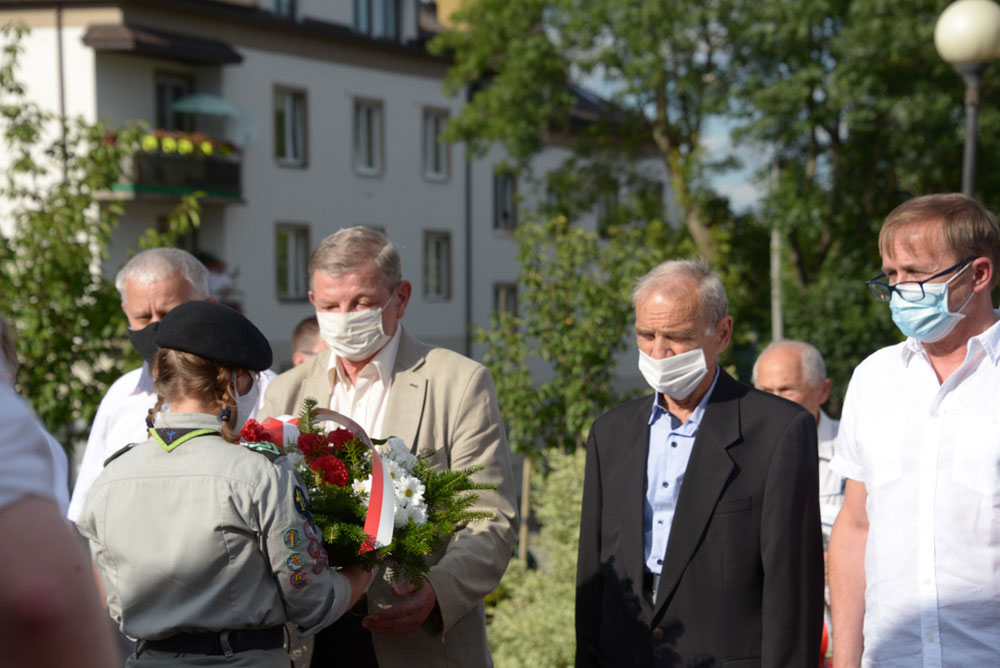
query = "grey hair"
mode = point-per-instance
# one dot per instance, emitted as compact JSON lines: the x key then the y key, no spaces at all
{"x":715,"y":304}
{"x":155,"y":264}
{"x":813,"y":366}
{"x":351,"y":248}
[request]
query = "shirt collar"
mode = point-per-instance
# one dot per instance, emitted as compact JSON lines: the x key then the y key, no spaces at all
{"x":699,"y":410}
{"x":988,"y":340}
{"x":383,"y":362}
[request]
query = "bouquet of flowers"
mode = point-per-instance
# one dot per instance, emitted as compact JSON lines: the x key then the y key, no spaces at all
{"x":374,"y":502}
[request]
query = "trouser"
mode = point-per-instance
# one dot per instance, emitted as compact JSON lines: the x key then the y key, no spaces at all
{"x":345,"y":638}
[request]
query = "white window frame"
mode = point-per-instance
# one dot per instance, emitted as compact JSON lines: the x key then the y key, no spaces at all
{"x":380,"y":19}
{"x":436,"y":153}
{"x":504,"y":201}
{"x":505,"y":298}
{"x":293,"y":128}
{"x":368,"y":134}
{"x":437,"y":265}
{"x":295,"y":272}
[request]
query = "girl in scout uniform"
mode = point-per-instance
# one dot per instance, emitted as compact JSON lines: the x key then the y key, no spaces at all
{"x":205,"y":545}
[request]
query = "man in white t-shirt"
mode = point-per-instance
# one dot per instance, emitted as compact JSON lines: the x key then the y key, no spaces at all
{"x":49,"y":605}
{"x":915,"y":551}
{"x":151,"y":284}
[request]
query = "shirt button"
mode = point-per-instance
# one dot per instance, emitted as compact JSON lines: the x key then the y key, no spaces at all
{"x":657,"y":633}
{"x":659,"y":562}
{"x":660,"y":522}
{"x":673,"y":444}
{"x":930,"y":637}
{"x":666,"y":484}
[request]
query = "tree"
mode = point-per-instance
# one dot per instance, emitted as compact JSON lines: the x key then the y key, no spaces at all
{"x":71,"y":333}
{"x":666,"y":62}
{"x":860,"y":114}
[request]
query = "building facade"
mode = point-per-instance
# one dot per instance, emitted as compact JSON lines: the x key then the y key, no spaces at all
{"x":294,"y":118}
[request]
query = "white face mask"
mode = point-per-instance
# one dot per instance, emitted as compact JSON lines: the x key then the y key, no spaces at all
{"x":356,"y":335}
{"x":246,"y":405}
{"x":675,"y":376}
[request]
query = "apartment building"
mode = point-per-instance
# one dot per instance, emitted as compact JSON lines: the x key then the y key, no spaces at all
{"x":295,"y":118}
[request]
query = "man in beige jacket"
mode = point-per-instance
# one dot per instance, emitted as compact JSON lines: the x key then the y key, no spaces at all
{"x":441,"y":404}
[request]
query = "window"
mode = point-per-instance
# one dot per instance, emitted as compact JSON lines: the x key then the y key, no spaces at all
{"x":377,"y":18}
{"x":607,"y":209}
{"x":437,"y":265}
{"x":292,"y":261}
{"x":436,"y":154}
{"x":368,"y":137}
{"x":290,"y":127}
{"x":285,"y":8}
{"x":169,"y":89}
{"x":505,"y":298}
{"x":504,"y":201}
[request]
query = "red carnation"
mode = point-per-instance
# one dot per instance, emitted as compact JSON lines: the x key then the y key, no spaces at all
{"x":253,"y":432}
{"x":309,"y":444}
{"x":334,"y":470}
{"x":338,"y":438}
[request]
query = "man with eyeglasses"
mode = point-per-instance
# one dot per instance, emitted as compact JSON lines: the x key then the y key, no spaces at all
{"x":915,"y":551}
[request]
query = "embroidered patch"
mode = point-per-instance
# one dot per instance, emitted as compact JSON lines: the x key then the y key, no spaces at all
{"x":311,"y":532}
{"x":292,"y":538}
{"x":315,"y":549}
{"x":298,"y":579}
{"x":302,"y":503}
{"x":320,"y":565}
{"x":295,"y":561}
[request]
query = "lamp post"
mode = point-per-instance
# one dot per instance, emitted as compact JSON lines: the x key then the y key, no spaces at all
{"x":967,"y":36}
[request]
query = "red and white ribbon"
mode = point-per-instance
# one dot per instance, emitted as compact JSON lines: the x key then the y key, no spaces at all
{"x":382,"y":499}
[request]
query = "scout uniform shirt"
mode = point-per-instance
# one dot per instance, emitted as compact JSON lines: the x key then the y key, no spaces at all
{"x":208,"y":536}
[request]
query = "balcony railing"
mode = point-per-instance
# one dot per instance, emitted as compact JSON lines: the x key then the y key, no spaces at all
{"x":173,"y":164}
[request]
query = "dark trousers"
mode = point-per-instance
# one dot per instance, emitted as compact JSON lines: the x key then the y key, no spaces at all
{"x":345,"y":643}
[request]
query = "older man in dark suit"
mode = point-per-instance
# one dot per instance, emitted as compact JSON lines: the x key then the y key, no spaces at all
{"x":700,"y":536}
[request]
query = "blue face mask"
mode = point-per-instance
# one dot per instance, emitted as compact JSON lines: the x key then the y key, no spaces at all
{"x":927,"y":320}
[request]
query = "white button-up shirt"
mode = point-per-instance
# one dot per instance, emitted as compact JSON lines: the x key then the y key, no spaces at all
{"x":121,"y":420}
{"x":929,"y":455}
{"x":365,"y":402}
{"x":831,"y":483}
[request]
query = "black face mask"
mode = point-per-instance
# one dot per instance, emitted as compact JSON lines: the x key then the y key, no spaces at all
{"x":142,"y":340}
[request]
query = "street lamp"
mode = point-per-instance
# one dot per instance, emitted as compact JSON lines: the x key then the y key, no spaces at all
{"x":967,"y":36}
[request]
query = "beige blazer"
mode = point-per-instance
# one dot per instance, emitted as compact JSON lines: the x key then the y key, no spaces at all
{"x":444,"y":404}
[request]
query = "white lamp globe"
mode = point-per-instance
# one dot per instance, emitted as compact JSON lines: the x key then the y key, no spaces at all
{"x":968,"y":31}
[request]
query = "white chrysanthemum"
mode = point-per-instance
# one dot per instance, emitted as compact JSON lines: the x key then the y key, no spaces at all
{"x":401,"y":453}
{"x":362,"y":488}
{"x":393,"y":470}
{"x":415,"y":511}
{"x":409,"y":491}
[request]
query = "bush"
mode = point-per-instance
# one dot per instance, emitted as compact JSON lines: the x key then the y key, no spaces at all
{"x":533,"y":624}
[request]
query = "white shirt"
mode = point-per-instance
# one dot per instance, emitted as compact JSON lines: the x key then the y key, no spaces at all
{"x":831,"y":483}
{"x":365,"y":402}
{"x":929,"y":456}
{"x":121,"y":420}
{"x":27,"y":460}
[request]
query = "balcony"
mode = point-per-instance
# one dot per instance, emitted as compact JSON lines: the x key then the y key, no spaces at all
{"x":171,"y":164}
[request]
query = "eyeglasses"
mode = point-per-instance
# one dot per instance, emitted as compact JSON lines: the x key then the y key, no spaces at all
{"x":911,"y":291}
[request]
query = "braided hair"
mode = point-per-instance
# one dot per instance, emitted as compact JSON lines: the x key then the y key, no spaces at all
{"x":182,"y":375}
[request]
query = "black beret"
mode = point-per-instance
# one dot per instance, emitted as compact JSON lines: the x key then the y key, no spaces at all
{"x":215,"y":332}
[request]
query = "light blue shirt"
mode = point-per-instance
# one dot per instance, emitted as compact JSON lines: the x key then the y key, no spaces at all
{"x":670,"y":444}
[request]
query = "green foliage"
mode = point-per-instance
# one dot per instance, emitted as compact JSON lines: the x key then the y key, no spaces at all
{"x":574,"y":312}
{"x":532,"y":624}
{"x":71,"y":333}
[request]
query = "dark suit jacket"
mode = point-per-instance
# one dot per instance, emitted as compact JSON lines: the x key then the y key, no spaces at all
{"x":742,"y":580}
